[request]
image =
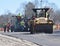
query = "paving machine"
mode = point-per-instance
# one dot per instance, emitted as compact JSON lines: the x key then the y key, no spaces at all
{"x":41,"y":22}
{"x":17,"y":26}
{"x":20,"y":25}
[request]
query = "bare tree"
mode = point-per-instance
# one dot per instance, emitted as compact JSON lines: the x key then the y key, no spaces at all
{"x":28,"y":10}
{"x":57,"y":16}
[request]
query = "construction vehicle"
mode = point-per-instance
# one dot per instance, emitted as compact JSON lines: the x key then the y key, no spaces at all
{"x":41,"y":22}
{"x":17,"y":26}
{"x":20,"y":24}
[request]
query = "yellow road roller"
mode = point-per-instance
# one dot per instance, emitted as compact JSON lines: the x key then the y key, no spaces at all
{"x":41,"y":22}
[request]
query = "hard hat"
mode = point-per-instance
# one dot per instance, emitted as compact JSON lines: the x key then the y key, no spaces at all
{"x":19,"y":14}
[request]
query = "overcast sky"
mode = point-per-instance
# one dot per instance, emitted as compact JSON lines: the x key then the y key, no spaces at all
{"x":13,"y":5}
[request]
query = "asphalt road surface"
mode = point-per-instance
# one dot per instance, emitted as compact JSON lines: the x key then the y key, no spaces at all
{"x":40,"y":39}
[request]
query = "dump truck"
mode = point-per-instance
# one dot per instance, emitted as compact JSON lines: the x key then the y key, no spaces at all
{"x":41,"y":21}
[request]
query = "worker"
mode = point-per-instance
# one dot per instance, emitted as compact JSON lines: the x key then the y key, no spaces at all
{"x":12,"y":27}
{"x":19,"y":17}
{"x":8,"y":27}
{"x":19,"y":23}
{"x":22,"y":25}
{"x":33,"y":17}
{"x":4,"y":27}
{"x":26,"y":25}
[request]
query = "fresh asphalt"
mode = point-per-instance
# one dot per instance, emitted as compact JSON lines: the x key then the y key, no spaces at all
{"x":41,"y":39}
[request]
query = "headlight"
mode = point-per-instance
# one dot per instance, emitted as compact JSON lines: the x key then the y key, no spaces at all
{"x":46,"y":18}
